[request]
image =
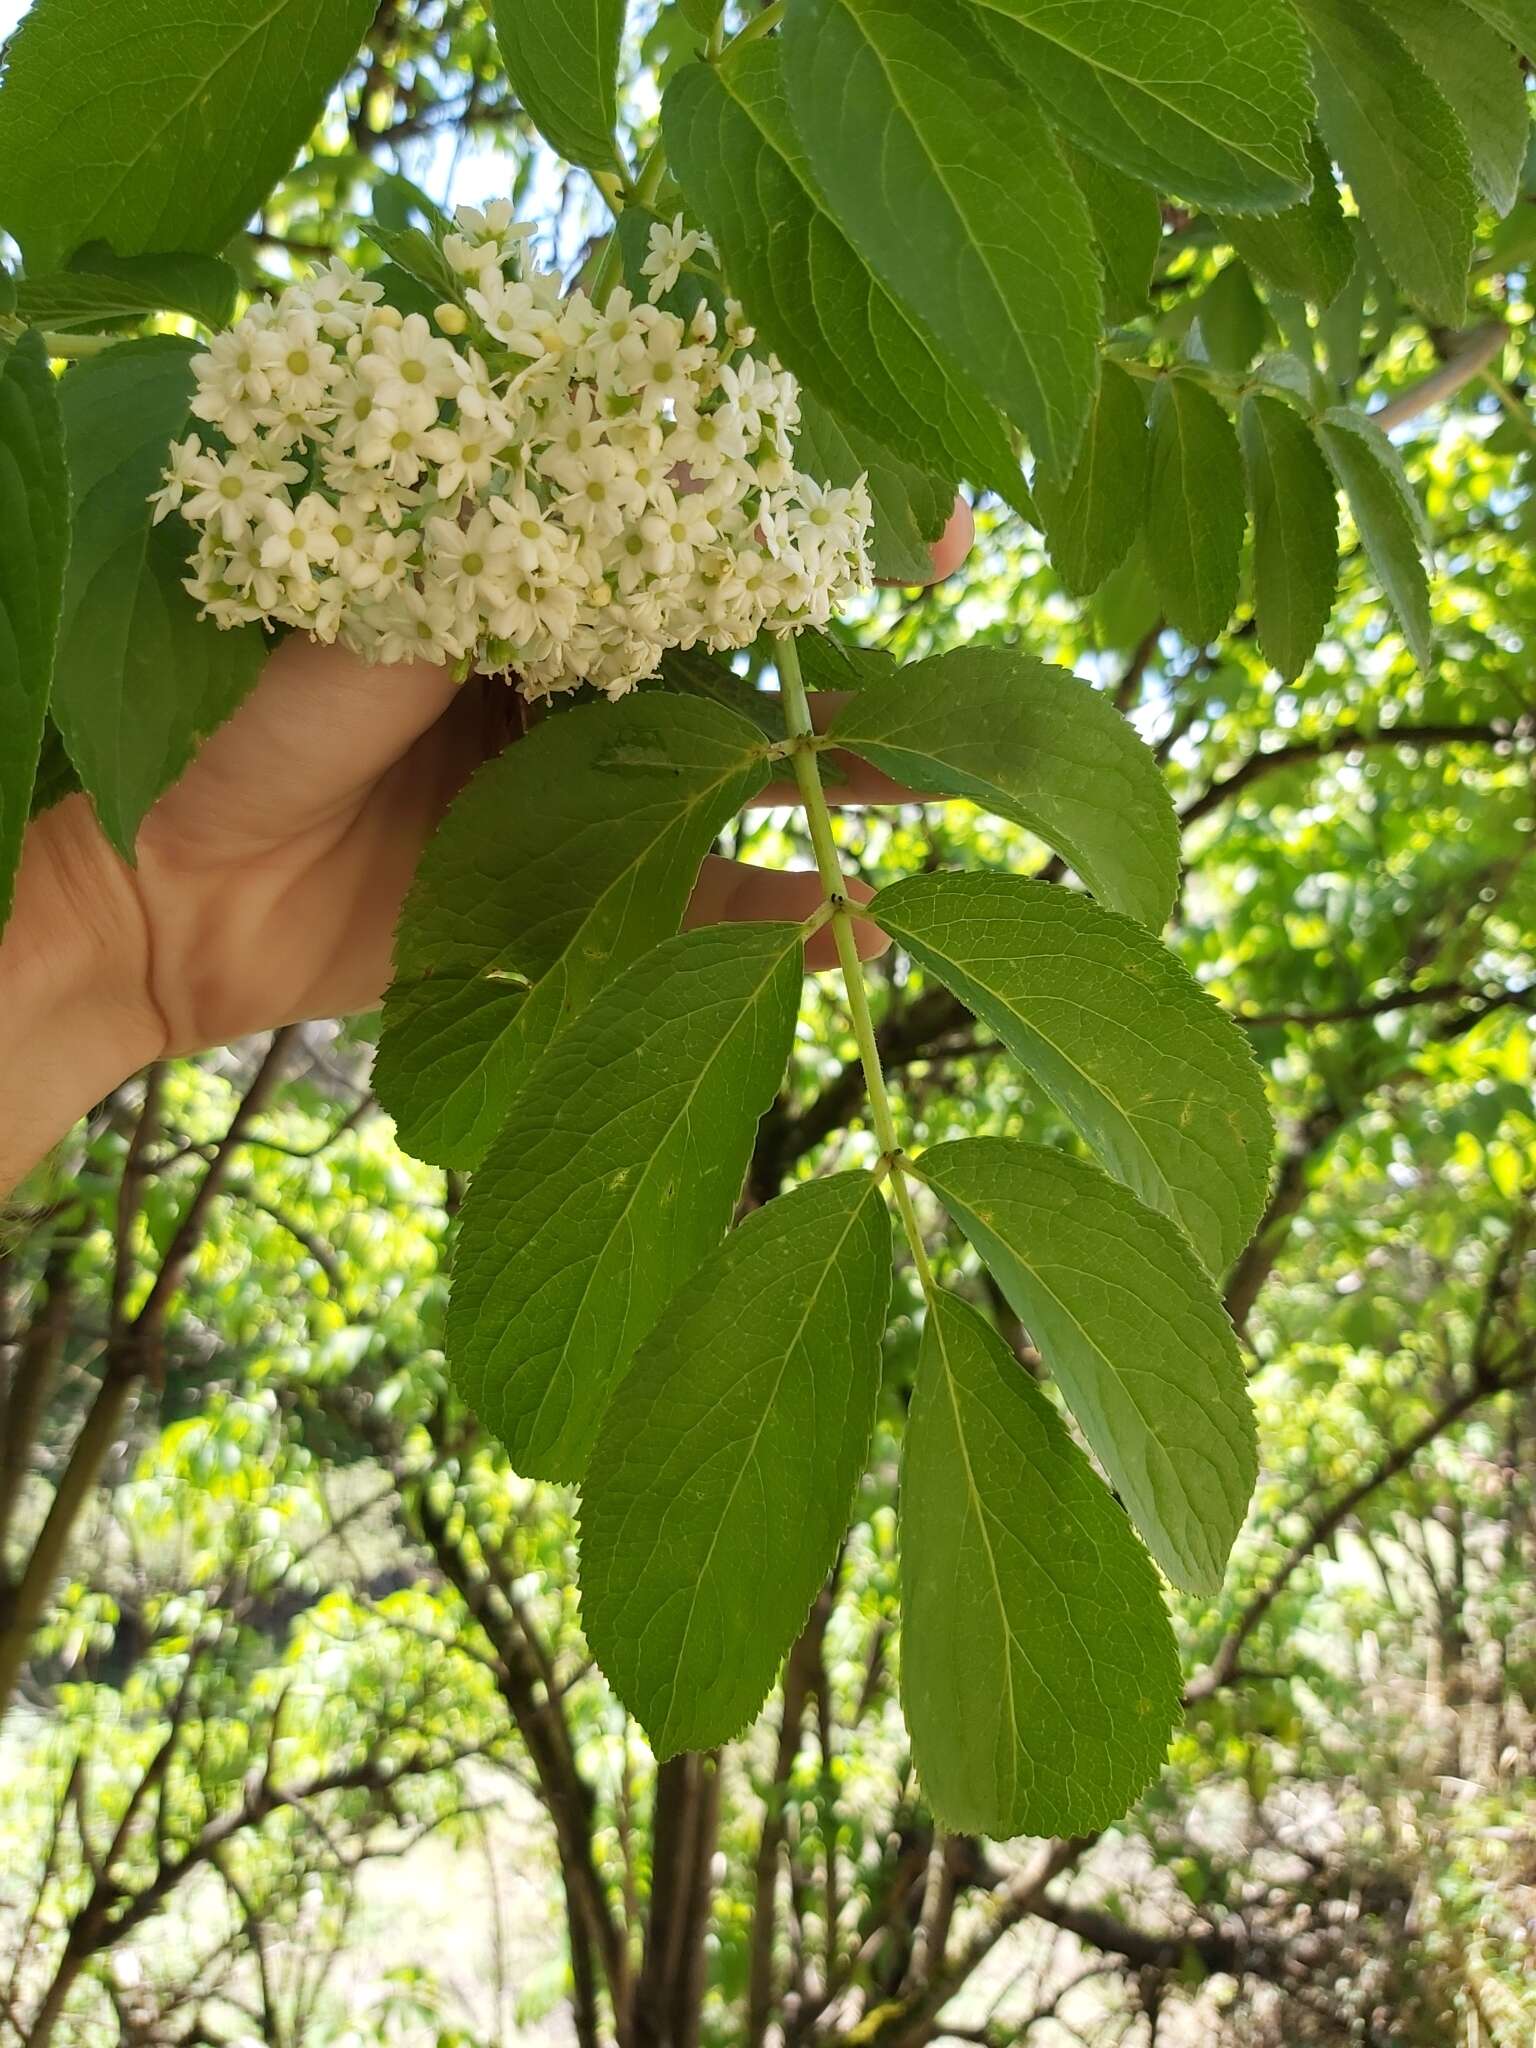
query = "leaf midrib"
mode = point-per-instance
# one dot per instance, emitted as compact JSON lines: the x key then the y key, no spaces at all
{"x":1094,"y":1087}
{"x":1125,"y":1384}
{"x":747,"y":1015}
{"x":982,"y":249}
{"x":625,"y":878}
{"x":150,"y":143}
{"x":1032,"y":27}
{"x":797,"y":168}
{"x":828,"y":1268}
{"x":980,"y":1518}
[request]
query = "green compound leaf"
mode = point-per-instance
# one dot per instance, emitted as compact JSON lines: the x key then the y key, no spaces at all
{"x":1030,"y":743}
{"x":911,"y":508}
{"x":140,"y":680}
{"x":162,"y":125}
{"x":725,"y":1469}
{"x":1295,"y":532}
{"x":742,"y":167}
{"x":1092,"y":521}
{"x":829,"y":663}
{"x":1208,"y":100}
{"x":1515,"y":19}
{"x":1401,"y":149}
{"x":1482,"y":81}
{"x":695,"y":672}
{"x":415,"y":253}
{"x":1157,"y":1079}
{"x":1388,"y":518}
{"x":1128,"y":227}
{"x":1308,"y":249}
{"x":398,"y":203}
{"x":562,"y":57}
{"x":1231,"y":323}
{"x":34,"y":547}
{"x":614,"y":1176}
{"x":56,"y":777}
{"x":1130,"y":1327}
{"x":110,"y":289}
{"x":450,"y":1060}
{"x":1039,"y":1673}
{"x":567,"y":857}
{"x":1195,"y":509}
{"x":951,"y":184}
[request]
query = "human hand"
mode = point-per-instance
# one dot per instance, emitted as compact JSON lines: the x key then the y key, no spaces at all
{"x":270,"y":878}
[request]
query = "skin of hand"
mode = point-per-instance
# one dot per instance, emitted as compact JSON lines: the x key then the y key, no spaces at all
{"x":270,"y":877}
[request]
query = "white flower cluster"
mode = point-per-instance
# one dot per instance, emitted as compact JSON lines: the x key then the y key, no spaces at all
{"x":528,"y":484}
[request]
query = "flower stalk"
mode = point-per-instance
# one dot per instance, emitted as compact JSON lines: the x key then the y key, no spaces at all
{"x":813,"y":797}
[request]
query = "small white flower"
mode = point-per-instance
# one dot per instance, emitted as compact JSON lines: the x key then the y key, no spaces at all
{"x":574,"y":431}
{"x":394,"y":443}
{"x":232,"y":492}
{"x":409,"y":368}
{"x":674,"y":530}
{"x":605,"y":495}
{"x":496,"y":226}
{"x":670,"y":248}
{"x":181,"y":474}
{"x":516,"y":316}
{"x":298,"y":538}
{"x":710,"y":442}
{"x":665,"y":381}
{"x":532,"y":538}
{"x":471,"y":256}
{"x":465,"y":455}
{"x":337,"y":296}
{"x":303,"y":368}
{"x":234,"y":383}
{"x":617,"y":344}
{"x":472,"y":563}
{"x":367,"y":491}
{"x":420,"y":625}
{"x":367,"y":558}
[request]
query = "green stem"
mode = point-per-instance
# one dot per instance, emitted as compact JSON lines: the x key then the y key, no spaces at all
{"x":652,"y":175}
{"x":797,"y":713}
{"x":648,"y":181}
{"x":78,"y":346}
{"x":644,"y":189}
{"x":760,"y":25}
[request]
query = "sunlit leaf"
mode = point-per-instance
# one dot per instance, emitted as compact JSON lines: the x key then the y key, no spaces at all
{"x":726,"y":1466}
{"x":1130,"y":1329}
{"x":1038,"y":1670}
{"x":613,"y":1177}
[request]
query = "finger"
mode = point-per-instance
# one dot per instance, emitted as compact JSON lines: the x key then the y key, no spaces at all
{"x":324,"y":725}
{"x":948,"y":551}
{"x":862,"y":784}
{"x":731,"y":892}
{"x":955,"y":542}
